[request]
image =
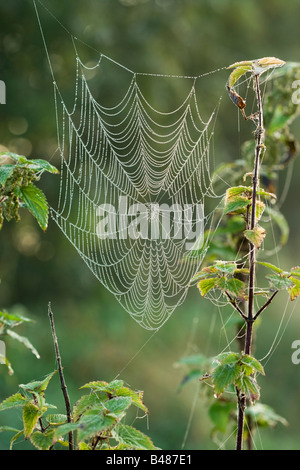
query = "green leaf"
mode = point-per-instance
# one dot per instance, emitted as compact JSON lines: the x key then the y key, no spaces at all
{"x":279,"y":119}
{"x":237,"y":206}
{"x":37,"y":164}
{"x":35,"y":201}
{"x":5,"y":172}
{"x":264,"y":415}
{"x":234,"y":191}
{"x":294,"y":291}
{"x":56,"y":419}
{"x":42,"y":441}
{"x":132,"y":438}
{"x":254,"y":364}
{"x":31,"y":414}
{"x":15,"y":437}
{"x":117,"y":405}
{"x":42,"y":165}
{"x":219,"y":413}
{"x":17,"y":158}
{"x":270,"y":266}
{"x":25,"y":341}
{"x":232,"y":285}
{"x":38,"y":386}
{"x":237,"y":73}
{"x":13,"y":401}
{"x":88,"y":401}
{"x":224,"y":268}
{"x":93,"y":422}
{"x":248,"y":386}
{"x":227,"y":357}
{"x":224,"y":375}
{"x":64,"y":429}
{"x":205,"y":285}
{"x":102,"y":386}
{"x":279,"y":282}
{"x":136,"y":397}
{"x":256,"y":236}
{"x":12,"y":320}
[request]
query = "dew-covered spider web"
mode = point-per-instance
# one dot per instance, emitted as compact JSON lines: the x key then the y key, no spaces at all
{"x":136,"y":196}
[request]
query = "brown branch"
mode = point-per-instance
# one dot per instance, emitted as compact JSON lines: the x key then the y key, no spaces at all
{"x":252,"y":258}
{"x":265,"y":305}
{"x":235,"y":305}
{"x":61,"y":376}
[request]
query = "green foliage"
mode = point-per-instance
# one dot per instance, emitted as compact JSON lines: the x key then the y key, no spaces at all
{"x":97,"y":417}
{"x":8,"y":322}
{"x":17,"y":187}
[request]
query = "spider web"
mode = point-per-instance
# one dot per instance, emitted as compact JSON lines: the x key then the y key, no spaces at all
{"x":130,"y":173}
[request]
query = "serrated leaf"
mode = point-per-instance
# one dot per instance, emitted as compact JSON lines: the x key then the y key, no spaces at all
{"x":31,"y":414}
{"x":256,"y":236}
{"x":294,"y":291}
{"x":42,"y":441}
{"x":17,"y":158}
{"x":35,"y":201}
{"x":118,"y":404}
{"x":102,"y":386}
{"x":64,"y":429}
{"x":279,"y":282}
{"x":38,"y":386}
{"x":205,"y":285}
{"x":92,"y":423}
{"x":227,"y":357}
{"x":225,"y":375}
{"x":237,"y":206}
{"x":88,"y":401}
{"x":248,"y":386}
{"x":132,"y":438}
{"x":136,"y":397}
{"x":5,"y":172}
{"x":255,"y":365}
{"x":237,"y":190}
{"x":270,"y":266}
{"x":225,"y":268}
{"x":40,"y":165}
{"x":231,"y":285}
{"x":13,"y":401}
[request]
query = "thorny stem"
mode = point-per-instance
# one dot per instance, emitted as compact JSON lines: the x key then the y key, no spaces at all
{"x":61,"y":376}
{"x":252,"y":258}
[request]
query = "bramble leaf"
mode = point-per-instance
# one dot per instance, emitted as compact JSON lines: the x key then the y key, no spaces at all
{"x":132,"y":438}
{"x":205,"y":285}
{"x":35,"y":201}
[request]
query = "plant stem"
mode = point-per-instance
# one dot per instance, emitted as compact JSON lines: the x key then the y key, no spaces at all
{"x":252,"y":258}
{"x":61,"y":376}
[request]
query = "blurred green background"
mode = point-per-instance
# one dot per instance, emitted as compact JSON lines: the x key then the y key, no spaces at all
{"x":98,"y":340}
